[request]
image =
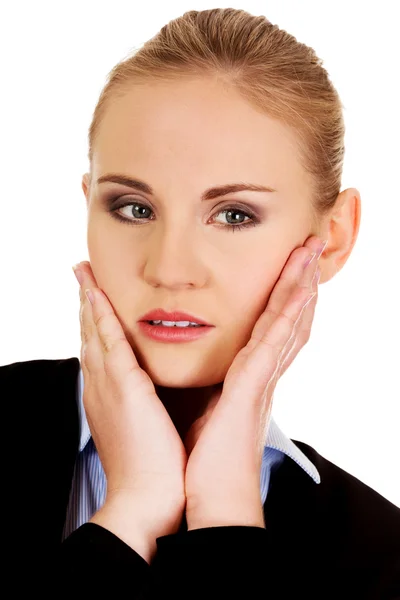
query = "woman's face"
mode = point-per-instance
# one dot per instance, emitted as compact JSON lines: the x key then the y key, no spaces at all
{"x":182,"y":138}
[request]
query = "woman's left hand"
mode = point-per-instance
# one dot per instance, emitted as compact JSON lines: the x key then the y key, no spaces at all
{"x":222,"y":482}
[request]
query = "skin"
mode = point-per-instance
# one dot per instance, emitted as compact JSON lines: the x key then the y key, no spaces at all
{"x":187,"y":258}
{"x":183,"y":260}
{"x":152,"y":477}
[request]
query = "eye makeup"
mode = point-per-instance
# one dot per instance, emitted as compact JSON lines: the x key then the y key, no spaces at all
{"x":113,"y":206}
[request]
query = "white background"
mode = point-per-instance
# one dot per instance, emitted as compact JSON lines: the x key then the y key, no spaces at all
{"x":342,"y":393}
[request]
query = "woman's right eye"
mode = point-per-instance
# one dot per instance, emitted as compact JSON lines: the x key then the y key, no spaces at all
{"x":140,"y":210}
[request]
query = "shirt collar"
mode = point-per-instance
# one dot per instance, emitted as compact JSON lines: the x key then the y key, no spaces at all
{"x":275,"y":439}
{"x":83,"y":424}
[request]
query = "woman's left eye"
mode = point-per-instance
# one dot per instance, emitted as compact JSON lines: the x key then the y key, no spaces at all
{"x":229,"y":213}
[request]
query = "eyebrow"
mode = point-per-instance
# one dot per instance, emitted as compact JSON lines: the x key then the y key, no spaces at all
{"x":209,"y":194}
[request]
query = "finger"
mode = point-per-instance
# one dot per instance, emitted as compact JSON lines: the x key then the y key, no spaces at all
{"x":299,"y":340}
{"x":302,"y":331}
{"x":91,"y":354}
{"x":290,"y":274}
{"x":88,"y":279}
{"x":265,"y":358}
{"x":309,"y":283}
{"x":84,"y":275}
{"x":87,"y":326}
{"x":118,"y":360}
{"x":261,"y":365}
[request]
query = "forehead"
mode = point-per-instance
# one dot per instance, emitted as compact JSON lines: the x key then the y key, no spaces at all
{"x":195,"y":124}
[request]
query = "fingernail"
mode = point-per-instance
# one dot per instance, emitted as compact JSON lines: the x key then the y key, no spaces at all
{"x":78,"y":273}
{"x":90,"y":296}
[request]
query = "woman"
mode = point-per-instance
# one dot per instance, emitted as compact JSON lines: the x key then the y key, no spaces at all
{"x":222,"y":121}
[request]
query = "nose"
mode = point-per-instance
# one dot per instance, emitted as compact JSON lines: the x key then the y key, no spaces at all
{"x":175,"y":259}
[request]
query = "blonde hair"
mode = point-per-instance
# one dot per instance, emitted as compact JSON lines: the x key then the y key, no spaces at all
{"x":272,"y":70}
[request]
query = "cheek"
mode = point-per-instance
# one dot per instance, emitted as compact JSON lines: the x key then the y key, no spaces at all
{"x":246,"y":299}
{"x":109,"y":260}
{"x":251,"y":291}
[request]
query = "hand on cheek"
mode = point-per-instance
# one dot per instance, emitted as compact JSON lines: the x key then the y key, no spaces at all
{"x":222,"y":479}
{"x":141,"y":452}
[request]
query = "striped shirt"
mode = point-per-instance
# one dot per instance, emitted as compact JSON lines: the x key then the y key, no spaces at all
{"x":89,"y":483}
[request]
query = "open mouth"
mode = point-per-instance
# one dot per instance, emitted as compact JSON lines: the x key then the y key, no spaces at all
{"x":178,"y":324}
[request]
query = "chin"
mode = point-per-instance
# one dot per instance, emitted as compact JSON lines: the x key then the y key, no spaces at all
{"x":179,"y":379}
{"x":181,"y":376}
{"x":188,"y":369}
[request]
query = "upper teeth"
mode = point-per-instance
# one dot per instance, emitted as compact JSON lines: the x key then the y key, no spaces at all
{"x":176,"y":323}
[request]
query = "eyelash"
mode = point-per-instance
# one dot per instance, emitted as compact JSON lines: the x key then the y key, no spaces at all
{"x":254,"y":221}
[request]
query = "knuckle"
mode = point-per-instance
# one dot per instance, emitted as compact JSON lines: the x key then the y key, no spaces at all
{"x":108,"y":345}
{"x":292,"y":322}
{"x":111,"y":365}
{"x":101,"y":321}
{"x":269,"y":310}
{"x":112,"y":346}
{"x":276,"y":350}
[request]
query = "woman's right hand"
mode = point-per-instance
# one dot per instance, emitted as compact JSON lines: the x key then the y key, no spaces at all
{"x":141,"y":451}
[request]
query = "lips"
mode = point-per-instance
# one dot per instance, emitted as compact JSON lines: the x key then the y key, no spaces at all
{"x":160,"y":314}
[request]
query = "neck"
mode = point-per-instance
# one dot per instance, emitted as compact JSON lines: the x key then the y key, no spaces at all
{"x":187,"y":406}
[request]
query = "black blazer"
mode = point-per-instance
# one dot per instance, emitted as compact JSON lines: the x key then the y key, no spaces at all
{"x":339,"y":539}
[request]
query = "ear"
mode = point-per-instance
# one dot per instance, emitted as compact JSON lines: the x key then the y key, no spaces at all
{"x":86,"y":186}
{"x":340,"y":227}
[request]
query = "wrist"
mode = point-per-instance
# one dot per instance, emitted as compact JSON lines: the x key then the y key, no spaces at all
{"x":117,"y":518}
{"x":138,"y":520}
{"x":213,"y":510}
